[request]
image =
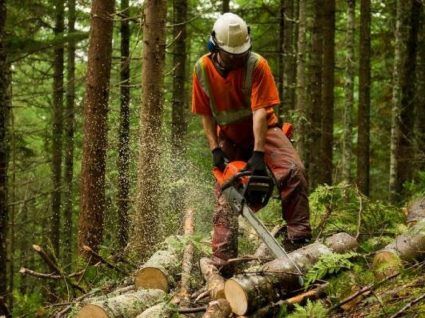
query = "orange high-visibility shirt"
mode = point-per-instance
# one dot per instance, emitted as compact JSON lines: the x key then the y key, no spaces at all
{"x":227,"y":92}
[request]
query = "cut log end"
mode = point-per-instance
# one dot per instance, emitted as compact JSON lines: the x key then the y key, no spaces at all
{"x":386,"y":263}
{"x":151,"y":277}
{"x":92,"y":311}
{"x":236,"y":296}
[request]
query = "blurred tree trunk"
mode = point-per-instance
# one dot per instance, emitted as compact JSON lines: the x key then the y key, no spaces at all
{"x":315,"y":90}
{"x":301,"y":89}
{"x":179,"y":113}
{"x":280,"y":59}
{"x":124,"y":130}
{"x":225,"y":6}
{"x":328,"y":76}
{"x":363,"y":117}
{"x":57,"y":118}
{"x":400,"y":80}
{"x":95,"y":125}
{"x":347,"y":149}
{"x":4,"y":112}
{"x":405,"y":155}
{"x":179,"y":62}
{"x":289,"y":57}
{"x":146,"y":230}
{"x":420,"y":96}
{"x":69,"y":139}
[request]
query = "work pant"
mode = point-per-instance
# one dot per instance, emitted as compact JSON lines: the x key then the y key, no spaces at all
{"x":288,"y":172}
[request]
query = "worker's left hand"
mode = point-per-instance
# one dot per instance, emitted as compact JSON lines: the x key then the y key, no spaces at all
{"x":256,"y":164}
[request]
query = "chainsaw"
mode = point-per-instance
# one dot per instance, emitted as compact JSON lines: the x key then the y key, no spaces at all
{"x":247,"y":193}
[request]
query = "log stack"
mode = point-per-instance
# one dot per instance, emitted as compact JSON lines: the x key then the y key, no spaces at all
{"x":249,"y":292}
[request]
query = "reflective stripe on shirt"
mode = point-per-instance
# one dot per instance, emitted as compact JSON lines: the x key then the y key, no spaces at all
{"x":226,"y":117}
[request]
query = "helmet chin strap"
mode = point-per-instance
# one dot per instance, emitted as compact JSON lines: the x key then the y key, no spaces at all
{"x":219,"y":64}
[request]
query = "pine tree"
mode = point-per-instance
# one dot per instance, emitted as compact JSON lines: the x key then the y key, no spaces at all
{"x":95,"y":130}
{"x":146,"y":221}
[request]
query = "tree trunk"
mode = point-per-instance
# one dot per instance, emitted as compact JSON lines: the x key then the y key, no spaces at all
{"x":161,"y":269}
{"x":95,"y":126}
{"x":247,"y":293}
{"x":280,"y":59}
{"x":405,"y":154}
{"x":179,"y":109}
{"x":124,"y":306}
{"x":225,"y":6}
{"x":328,"y":91}
{"x":289,"y":58}
{"x":420,"y":97}
{"x":69,"y":140}
{"x":57,"y":118}
{"x":301,"y":89}
{"x":315,"y":113}
{"x":124,"y":129}
{"x":146,"y":231}
{"x":363,"y":117}
{"x":347,"y":149}
{"x":4,"y":112}
{"x":399,"y":81}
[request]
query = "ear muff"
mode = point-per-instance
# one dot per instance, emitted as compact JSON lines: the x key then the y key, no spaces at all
{"x":212,"y":45}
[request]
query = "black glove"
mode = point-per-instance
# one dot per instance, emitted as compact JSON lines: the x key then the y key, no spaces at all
{"x":256,"y":164}
{"x":219,"y":158}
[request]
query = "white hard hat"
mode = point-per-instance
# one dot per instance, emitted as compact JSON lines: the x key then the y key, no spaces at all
{"x":231,"y":34}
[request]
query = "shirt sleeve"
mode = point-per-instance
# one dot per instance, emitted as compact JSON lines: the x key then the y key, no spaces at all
{"x":264,"y":91}
{"x":200,"y":100}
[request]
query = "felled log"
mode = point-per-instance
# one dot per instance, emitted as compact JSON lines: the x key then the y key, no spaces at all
{"x":122,"y":306}
{"x":219,"y":308}
{"x":161,"y":310}
{"x":249,"y":292}
{"x":215,"y":282}
{"x":406,"y":247}
{"x":160,"y":270}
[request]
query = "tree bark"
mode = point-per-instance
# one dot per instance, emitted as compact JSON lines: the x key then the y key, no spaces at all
{"x":301,"y":89}
{"x":289,"y":57}
{"x":146,"y":230}
{"x":405,"y":154}
{"x":315,"y":84}
{"x":69,"y":140}
{"x":225,"y":6}
{"x":4,"y":117}
{"x":399,"y":81}
{"x":363,"y":117}
{"x":57,"y":131}
{"x":179,"y":104}
{"x":187,"y":262}
{"x":124,"y":129}
{"x":328,"y":91}
{"x":247,"y":293}
{"x":215,"y":282}
{"x":95,"y":125}
{"x":124,"y":306}
{"x":280,"y":58}
{"x":347,"y":149}
{"x":420,"y":98}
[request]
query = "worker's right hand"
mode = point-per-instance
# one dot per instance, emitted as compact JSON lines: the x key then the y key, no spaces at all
{"x":219,"y":158}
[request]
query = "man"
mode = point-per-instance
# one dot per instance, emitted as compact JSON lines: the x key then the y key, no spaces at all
{"x":234,"y":93}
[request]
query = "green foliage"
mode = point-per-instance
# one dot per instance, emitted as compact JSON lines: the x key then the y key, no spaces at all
{"x":329,"y":264}
{"x":416,"y":187}
{"x":313,"y":309}
{"x":27,"y":303}
{"x":338,"y":208}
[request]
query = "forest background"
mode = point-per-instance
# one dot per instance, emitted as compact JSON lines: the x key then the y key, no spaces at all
{"x":98,"y":146}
